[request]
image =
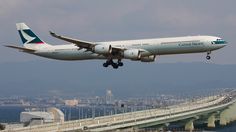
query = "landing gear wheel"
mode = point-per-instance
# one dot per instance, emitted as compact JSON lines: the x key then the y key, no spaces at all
{"x":120,"y":63}
{"x":105,"y":64}
{"x":115,"y":66}
{"x":208,"y":57}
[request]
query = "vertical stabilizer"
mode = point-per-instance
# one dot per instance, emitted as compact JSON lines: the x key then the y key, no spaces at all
{"x":29,"y":39}
{"x":27,"y":36}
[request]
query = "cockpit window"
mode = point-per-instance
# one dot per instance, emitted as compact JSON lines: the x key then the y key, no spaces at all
{"x":220,"y":41}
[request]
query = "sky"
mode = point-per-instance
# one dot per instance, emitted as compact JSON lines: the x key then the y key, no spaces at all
{"x":87,"y":79}
{"x":107,"y":20}
{"x":120,"y":20}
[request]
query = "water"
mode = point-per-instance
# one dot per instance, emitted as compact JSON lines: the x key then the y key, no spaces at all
{"x":11,"y":114}
{"x":229,"y":128}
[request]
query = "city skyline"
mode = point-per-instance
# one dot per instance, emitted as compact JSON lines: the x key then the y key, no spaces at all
{"x":23,"y":74}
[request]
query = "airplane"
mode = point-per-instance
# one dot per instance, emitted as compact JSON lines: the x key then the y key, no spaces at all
{"x":144,"y":50}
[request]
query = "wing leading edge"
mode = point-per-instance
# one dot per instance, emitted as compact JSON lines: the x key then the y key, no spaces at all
{"x":81,"y":44}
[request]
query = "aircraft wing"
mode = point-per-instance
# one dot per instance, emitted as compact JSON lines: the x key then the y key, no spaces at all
{"x":20,"y":48}
{"x":79,"y":43}
{"x":85,"y":44}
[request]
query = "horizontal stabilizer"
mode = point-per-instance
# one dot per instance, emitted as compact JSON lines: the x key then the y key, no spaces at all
{"x":20,"y":48}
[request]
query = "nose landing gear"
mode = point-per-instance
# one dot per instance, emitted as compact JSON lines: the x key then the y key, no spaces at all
{"x":208,"y":57}
{"x":114,"y":65}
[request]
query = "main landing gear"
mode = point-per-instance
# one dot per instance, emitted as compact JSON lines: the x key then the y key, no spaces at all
{"x":114,"y":65}
{"x":208,"y":57}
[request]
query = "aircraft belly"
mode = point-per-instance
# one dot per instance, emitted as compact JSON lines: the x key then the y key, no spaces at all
{"x":71,"y":55}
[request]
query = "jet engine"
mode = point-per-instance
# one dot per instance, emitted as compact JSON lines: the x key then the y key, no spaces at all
{"x":133,"y":54}
{"x":102,"y":49}
{"x":150,"y":58}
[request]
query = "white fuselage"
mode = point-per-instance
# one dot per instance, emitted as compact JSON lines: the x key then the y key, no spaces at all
{"x":160,"y":46}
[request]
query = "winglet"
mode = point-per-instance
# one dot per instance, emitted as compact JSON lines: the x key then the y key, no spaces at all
{"x":52,"y":33}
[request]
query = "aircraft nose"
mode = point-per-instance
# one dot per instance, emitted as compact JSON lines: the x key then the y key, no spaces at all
{"x":223,"y":45}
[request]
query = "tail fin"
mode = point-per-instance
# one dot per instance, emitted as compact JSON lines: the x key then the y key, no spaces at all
{"x":27,"y":36}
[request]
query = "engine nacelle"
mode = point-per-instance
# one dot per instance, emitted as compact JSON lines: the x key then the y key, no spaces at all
{"x":102,"y":49}
{"x":133,"y":54}
{"x":150,"y":58}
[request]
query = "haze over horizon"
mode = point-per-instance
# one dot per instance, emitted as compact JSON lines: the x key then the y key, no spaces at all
{"x":38,"y":78}
{"x":117,"y":20}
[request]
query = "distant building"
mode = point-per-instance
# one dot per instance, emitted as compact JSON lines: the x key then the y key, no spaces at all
{"x":73,"y":102}
{"x":109,"y":97}
{"x":40,"y":117}
{"x":24,"y":103}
